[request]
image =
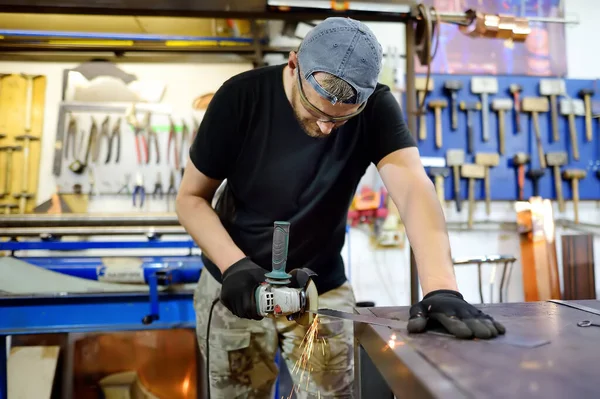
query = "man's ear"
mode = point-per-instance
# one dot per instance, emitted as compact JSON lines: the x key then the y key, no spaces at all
{"x":293,"y":60}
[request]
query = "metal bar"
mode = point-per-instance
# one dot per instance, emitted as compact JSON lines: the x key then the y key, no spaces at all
{"x":93,"y":313}
{"x":85,"y":219}
{"x":90,"y":231}
{"x":577,"y":306}
{"x":411,"y":106}
{"x":79,"y":245}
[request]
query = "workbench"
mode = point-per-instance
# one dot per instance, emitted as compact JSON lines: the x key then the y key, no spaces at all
{"x":437,"y":366}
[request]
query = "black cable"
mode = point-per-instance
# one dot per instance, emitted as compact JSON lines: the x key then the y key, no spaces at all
{"x":207,"y":365}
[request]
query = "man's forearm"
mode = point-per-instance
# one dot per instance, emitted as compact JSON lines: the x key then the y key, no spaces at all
{"x":423,"y":217}
{"x":203,"y":224}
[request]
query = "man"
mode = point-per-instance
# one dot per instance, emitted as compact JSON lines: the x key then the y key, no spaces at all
{"x":293,"y":142}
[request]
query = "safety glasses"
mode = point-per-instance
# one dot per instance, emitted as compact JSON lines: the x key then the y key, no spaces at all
{"x":317,"y":113}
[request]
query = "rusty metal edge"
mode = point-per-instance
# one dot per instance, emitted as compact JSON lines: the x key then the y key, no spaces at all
{"x":406,"y":371}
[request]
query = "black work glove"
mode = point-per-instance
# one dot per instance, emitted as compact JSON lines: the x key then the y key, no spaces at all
{"x":448,"y":309}
{"x":238,"y":289}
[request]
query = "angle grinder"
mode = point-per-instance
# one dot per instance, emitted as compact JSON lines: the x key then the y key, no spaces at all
{"x":292,"y":295}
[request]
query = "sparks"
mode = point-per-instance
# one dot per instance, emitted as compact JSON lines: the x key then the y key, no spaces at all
{"x":308,"y":346}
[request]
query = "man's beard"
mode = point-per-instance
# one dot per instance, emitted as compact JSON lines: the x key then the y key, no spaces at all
{"x":309,"y":126}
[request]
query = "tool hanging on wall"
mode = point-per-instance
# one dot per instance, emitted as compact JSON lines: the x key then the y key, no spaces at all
{"x":8,"y":161}
{"x":470,"y":108}
{"x":472,"y":172}
{"x":452,"y":87}
{"x":483,"y":87}
{"x":455,"y":158}
{"x":185,"y":142}
{"x":516,"y":90}
{"x":519,"y":160}
{"x":27,"y":138}
{"x":438,"y":174}
{"x":553,"y":88}
{"x":78,"y":166}
{"x":115,"y":136}
{"x":172,"y":142}
{"x":535,"y":175}
{"x":575,"y":175}
{"x":152,"y":138}
{"x":572,"y":108}
{"x":537,"y":105}
{"x":587,"y":94}
{"x":421,"y":94}
{"x":556,"y":160}
{"x":139,"y":190}
{"x":487,"y":160}
{"x":437,"y":106}
{"x":102,"y":137}
{"x":501,"y":105}
{"x":71,"y":140}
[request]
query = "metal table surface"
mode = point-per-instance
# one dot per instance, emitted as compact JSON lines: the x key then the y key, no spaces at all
{"x":434,"y":366}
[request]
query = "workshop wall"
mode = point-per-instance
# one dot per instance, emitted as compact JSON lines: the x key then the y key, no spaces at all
{"x":378,"y":275}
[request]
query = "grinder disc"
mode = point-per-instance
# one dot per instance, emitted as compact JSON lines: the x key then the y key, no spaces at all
{"x":312,"y":304}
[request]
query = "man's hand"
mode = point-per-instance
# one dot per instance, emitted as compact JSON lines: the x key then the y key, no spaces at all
{"x":456,"y":315}
{"x":240,"y":281}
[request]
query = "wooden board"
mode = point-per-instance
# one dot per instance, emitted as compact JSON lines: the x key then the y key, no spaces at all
{"x":31,"y":371}
{"x":578,"y":266}
{"x":434,"y":366}
{"x":13,"y":96}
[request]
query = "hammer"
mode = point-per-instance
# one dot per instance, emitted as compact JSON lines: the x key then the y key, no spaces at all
{"x":437,"y":106}
{"x":455,"y":158}
{"x":470,"y":108}
{"x":438,"y":174}
{"x":519,"y":160}
{"x":572,"y":108}
{"x":487,"y":160}
{"x":556,"y":160}
{"x":535,"y":105}
{"x":553,"y":88}
{"x":501,"y":105}
{"x":515,"y":90}
{"x":535,"y":175}
{"x":484,"y":86}
{"x":472,"y":172}
{"x":587,"y":98}
{"x":421,"y":90}
{"x":453,"y":87}
{"x":575,"y":175}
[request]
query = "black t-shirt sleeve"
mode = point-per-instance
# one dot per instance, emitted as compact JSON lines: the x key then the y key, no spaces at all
{"x":387,"y":130}
{"x":215,"y":148}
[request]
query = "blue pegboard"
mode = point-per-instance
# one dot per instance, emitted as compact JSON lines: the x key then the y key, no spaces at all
{"x":504,"y":176}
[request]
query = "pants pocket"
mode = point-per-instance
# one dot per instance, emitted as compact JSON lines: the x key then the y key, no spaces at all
{"x":239,"y":363}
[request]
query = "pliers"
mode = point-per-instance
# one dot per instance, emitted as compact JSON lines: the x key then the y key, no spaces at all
{"x":71,"y":137}
{"x":103,"y":135}
{"x":139,"y":189}
{"x":172,"y":189}
{"x":152,"y":138}
{"x":141,"y":146}
{"x":158,"y":190}
{"x":172,"y":140}
{"x":115,"y":135}
{"x":185,"y":141}
{"x":125,"y":186}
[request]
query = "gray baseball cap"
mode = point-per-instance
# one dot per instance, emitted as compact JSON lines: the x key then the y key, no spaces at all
{"x":345,"y":48}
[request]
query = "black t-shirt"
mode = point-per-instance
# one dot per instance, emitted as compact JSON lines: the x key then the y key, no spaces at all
{"x":276,"y":172}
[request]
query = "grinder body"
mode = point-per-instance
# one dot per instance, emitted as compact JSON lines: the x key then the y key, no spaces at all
{"x":293,"y":295}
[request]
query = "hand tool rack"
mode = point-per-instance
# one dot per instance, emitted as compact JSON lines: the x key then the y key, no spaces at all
{"x":504,"y":176}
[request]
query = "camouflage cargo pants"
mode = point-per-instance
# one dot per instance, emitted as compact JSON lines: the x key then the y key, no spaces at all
{"x":242,"y":352}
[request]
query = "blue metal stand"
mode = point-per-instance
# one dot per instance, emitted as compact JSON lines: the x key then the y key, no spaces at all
{"x":3,"y":368}
{"x":101,"y":312}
